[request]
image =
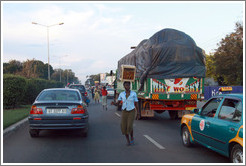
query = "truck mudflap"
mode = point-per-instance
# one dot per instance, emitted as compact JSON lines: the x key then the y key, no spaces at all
{"x":147,"y":113}
{"x":145,"y":109}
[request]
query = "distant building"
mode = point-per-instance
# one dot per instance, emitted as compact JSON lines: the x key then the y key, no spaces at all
{"x":110,"y":80}
{"x":89,"y":82}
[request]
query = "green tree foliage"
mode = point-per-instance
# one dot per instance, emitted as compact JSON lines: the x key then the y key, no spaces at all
{"x":37,"y":69}
{"x":58,"y":75}
{"x":95,"y":77}
{"x":227,"y":61}
{"x":13,"y":67}
{"x":210,"y":68}
{"x":65,"y":76}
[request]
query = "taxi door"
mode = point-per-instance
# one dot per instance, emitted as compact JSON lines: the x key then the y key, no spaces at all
{"x":226,"y":125}
{"x":201,"y":123}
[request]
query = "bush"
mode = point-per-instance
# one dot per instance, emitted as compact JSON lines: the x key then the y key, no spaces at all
{"x":20,"y":90}
{"x":35,"y":86}
{"x":13,"y":90}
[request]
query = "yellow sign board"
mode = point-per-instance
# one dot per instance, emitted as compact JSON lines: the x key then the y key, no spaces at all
{"x":226,"y":88}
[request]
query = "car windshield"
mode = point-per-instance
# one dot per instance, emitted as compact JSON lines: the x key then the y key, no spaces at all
{"x":61,"y":95}
{"x":79,"y":87}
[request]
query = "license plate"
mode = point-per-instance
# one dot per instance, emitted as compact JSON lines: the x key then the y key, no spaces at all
{"x":56,"y":111}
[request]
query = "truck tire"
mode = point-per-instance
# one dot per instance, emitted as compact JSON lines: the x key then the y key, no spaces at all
{"x":173,"y":114}
{"x":236,"y":154}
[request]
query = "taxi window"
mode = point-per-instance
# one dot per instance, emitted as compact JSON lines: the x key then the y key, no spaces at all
{"x":231,"y":110}
{"x":210,"y":108}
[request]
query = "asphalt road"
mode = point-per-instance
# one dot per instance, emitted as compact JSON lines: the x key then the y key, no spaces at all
{"x":157,"y":140}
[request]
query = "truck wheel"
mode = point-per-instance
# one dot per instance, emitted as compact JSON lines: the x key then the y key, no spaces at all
{"x":173,"y":114}
{"x":186,"y":137}
{"x":236,"y":155}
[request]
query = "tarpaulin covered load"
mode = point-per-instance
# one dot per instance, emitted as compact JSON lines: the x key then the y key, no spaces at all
{"x":169,"y":53}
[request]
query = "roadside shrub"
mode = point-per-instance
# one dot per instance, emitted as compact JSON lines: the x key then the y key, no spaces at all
{"x":13,"y":90}
{"x":20,"y":90}
{"x":35,"y":86}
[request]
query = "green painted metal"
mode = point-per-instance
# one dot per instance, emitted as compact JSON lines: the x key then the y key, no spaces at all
{"x":162,"y":87}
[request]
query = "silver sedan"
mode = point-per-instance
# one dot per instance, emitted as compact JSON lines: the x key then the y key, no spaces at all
{"x":59,"y":108}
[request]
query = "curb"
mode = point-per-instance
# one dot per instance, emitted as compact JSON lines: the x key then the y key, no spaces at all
{"x":14,"y":127}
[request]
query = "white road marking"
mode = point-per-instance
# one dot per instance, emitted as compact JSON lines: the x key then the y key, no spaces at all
{"x":154,"y":142}
{"x":117,"y":114}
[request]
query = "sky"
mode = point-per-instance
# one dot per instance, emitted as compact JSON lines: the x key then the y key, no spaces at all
{"x":95,"y":35}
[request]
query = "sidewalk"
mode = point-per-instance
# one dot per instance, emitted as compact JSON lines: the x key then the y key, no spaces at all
{"x":14,"y":127}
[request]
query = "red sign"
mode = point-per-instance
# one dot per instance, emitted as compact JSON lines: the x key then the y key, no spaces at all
{"x":202,"y":125}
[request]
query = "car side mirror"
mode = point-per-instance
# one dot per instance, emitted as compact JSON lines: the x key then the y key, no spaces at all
{"x":196,"y":111}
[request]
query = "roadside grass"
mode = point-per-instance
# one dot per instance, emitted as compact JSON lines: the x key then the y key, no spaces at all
{"x":11,"y":116}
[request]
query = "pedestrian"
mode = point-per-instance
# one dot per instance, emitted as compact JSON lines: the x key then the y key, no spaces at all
{"x":97,"y":96}
{"x":92,"y":92}
{"x":129,"y":102}
{"x":104,"y":97}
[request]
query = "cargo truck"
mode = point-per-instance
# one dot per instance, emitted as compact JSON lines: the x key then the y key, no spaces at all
{"x":166,"y":71}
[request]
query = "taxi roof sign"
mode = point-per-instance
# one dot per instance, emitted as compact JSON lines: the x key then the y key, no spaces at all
{"x":226,"y":88}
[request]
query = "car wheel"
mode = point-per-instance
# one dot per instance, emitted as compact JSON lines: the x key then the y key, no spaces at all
{"x":34,"y":133}
{"x":186,"y":137}
{"x":236,"y":154}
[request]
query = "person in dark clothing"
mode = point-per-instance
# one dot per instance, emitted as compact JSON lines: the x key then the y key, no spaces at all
{"x":92,"y":92}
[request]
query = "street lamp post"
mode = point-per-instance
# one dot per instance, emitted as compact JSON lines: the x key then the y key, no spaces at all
{"x":60,"y":63}
{"x":47,"y":26}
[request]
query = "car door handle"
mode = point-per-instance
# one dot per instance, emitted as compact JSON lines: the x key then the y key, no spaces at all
{"x":207,"y":124}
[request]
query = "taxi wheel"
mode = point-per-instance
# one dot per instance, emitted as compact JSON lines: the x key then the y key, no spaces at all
{"x":186,"y":137}
{"x":236,"y":154}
